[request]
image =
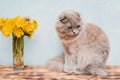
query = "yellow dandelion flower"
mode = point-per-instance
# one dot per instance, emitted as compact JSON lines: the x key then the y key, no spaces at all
{"x":8,"y":27}
{"x":7,"y":30}
{"x":18,"y":32}
{"x":2,"y":21}
{"x":35,"y":24}
{"x":30,"y":34}
{"x":11,"y":22}
{"x":28,"y":27}
{"x":20,"y":22}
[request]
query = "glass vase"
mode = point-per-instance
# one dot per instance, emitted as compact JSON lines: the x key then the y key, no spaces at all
{"x":18,"y":53}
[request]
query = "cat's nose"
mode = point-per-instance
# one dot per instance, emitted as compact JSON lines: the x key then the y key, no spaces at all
{"x":75,"y":31}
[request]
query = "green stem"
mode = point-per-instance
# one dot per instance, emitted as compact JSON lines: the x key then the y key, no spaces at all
{"x":18,"y":49}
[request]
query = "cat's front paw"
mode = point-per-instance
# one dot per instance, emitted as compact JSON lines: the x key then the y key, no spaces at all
{"x":77,"y":71}
{"x":68,"y":70}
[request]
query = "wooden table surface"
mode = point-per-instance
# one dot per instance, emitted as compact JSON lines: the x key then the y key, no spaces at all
{"x":41,"y":73}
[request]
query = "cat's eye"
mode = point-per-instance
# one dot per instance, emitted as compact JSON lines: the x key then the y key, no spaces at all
{"x":77,"y":26}
{"x":69,"y":27}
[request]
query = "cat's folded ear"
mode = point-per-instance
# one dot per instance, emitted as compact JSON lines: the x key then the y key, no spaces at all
{"x":63,"y":18}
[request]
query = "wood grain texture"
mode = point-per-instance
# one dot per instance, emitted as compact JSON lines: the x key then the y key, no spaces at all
{"x":41,"y":73}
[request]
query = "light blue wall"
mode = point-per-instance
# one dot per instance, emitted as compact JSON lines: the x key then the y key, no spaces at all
{"x":45,"y":43}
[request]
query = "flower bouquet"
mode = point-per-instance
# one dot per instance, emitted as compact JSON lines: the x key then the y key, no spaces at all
{"x":18,"y":27}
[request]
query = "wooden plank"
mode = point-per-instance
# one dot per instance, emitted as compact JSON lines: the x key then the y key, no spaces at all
{"x":41,"y":73}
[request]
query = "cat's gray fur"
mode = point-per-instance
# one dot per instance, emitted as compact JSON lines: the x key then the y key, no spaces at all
{"x":86,"y":46}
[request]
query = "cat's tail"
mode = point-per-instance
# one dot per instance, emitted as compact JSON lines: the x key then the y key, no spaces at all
{"x":56,"y":63}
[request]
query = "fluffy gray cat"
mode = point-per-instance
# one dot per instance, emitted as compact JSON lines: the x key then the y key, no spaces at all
{"x":86,"y":46}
